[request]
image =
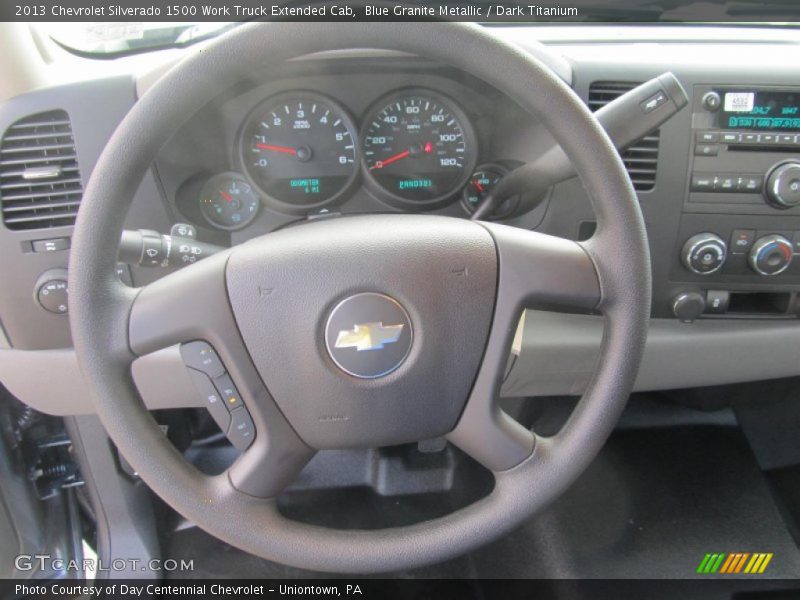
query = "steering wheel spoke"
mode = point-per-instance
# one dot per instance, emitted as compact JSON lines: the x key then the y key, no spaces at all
{"x":535,"y":271}
{"x":544,"y":271}
{"x":192,"y":305}
{"x":186,"y":305}
{"x":275,"y":458}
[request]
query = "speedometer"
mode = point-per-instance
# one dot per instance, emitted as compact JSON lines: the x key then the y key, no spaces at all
{"x":301,"y":150}
{"x":419,"y":148}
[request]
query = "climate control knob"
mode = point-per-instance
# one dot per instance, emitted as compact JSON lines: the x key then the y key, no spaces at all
{"x":770,"y":255}
{"x":783,"y":185}
{"x":704,"y":253}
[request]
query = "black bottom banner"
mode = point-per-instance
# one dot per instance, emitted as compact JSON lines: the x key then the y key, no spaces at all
{"x":419,"y":589}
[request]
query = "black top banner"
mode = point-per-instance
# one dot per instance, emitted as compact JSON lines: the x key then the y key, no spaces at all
{"x":570,"y":11}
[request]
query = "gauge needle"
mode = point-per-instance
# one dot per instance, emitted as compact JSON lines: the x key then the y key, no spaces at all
{"x":284,"y":149}
{"x":477,"y":185}
{"x":427,"y":149}
{"x":226,"y":196}
{"x":382,"y":163}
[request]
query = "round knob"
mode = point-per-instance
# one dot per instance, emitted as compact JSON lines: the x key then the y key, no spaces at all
{"x":711,"y":101}
{"x":687,"y":306}
{"x":52,"y":296}
{"x":783,"y":185}
{"x":50,"y":291}
{"x":704,"y":253}
{"x":770,"y":255}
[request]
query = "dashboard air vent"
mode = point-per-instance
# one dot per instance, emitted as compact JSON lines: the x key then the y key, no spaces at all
{"x":641,"y":158}
{"x":40,"y":184}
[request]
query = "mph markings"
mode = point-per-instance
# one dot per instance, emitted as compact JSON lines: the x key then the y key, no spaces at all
{"x":405,"y":124}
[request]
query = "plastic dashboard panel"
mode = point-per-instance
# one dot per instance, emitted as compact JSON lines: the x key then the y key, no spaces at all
{"x":557,"y":357}
{"x":557,"y":350}
{"x":94,"y":107}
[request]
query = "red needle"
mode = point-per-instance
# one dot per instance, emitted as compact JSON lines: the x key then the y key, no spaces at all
{"x":284,"y":149}
{"x":477,"y":185}
{"x":382,"y":163}
{"x":226,"y":196}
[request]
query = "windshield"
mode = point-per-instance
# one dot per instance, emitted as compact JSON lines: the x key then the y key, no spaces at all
{"x":118,"y":39}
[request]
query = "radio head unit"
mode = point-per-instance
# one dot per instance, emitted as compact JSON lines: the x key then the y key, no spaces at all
{"x":759,"y":109}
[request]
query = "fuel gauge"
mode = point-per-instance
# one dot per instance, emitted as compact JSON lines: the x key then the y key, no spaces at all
{"x":480,"y":183}
{"x":227,"y":201}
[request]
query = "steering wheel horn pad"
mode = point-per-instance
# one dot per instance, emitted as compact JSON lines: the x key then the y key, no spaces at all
{"x":442,"y":271}
{"x":264,"y":306}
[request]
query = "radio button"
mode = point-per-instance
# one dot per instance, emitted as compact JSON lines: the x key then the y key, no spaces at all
{"x":703,"y":183}
{"x":767,"y":138}
{"x":709,"y":137}
{"x":726,"y":183}
{"x":749,"y":138}
{"x":750,"y":183}
{"x":706,"y":150}
{"x":742,"y":240}
{"x":786,"y":138}
{"x":730,"y":137}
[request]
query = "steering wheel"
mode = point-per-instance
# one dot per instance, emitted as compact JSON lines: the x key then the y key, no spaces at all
{"x":446,"y":292}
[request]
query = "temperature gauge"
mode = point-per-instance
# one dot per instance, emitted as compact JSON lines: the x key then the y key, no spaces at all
{"x":227,"y":201}
{"x":480,"y":184}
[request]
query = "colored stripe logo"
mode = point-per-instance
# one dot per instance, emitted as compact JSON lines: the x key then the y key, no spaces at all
{"x":735,"y":563}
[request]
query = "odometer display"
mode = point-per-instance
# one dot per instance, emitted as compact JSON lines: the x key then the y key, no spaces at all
{"x":419,"y":148}
{"x":301,"y":150}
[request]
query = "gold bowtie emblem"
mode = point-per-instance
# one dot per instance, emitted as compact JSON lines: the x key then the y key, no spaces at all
{"x":368,"y":336}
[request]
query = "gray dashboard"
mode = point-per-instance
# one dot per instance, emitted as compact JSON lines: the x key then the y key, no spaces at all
{"x":758,"y":338}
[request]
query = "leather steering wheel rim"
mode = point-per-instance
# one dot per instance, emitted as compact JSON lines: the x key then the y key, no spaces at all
{"x":102,"y":309}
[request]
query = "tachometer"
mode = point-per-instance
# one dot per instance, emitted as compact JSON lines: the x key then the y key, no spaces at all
{"x":301,"y":150}
{"x":419,"y":148}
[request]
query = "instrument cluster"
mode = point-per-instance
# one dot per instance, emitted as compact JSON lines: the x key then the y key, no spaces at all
{"x":301,"y":151}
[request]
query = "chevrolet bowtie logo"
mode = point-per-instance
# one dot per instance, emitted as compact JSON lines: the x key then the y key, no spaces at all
{"x":368,"y":336}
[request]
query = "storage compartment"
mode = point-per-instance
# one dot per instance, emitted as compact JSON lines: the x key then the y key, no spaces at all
{"x":760,"y":303}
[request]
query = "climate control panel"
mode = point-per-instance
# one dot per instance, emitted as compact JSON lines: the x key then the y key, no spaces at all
{"x":733,"y":266}
{"x":706,"y":253}
{"x":770,"y":255}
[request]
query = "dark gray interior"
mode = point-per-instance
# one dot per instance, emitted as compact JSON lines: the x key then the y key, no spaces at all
{"x":711,"y":467}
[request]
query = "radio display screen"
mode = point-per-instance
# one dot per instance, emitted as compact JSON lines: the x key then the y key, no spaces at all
{"x":760,"y":110}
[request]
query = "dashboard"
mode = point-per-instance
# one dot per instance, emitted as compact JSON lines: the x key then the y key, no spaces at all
{"x":380,"y":135}
{"x":365,"y":132}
